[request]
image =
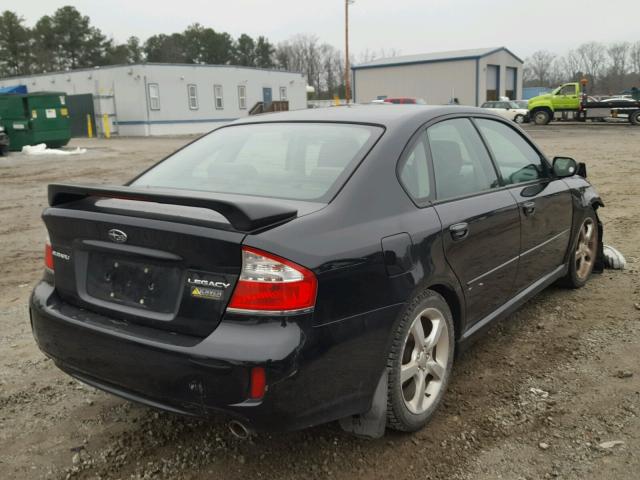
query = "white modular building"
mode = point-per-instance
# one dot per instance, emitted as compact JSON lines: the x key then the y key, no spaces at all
{"x":165,"y":99}
{"x":471,"y":76}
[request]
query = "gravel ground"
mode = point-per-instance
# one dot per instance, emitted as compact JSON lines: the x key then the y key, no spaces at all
{"x":553,"y":392}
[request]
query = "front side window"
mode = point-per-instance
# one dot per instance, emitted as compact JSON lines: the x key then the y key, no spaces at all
{"x":154,"y":96}
{"x":516,"y":159}
{"x":217,"y":93}
{"x":567,"y":90}
{"x":283,"y":93}
{"x":242,"y":97}
{"x":414,"y":171}
{"x":303,"y":161}
{"x":192,"y":94}
{"x":461,"y":163}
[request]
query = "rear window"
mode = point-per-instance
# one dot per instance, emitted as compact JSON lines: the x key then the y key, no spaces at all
{"x":301,"y":161}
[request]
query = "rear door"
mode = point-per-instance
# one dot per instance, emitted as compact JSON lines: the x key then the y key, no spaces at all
{"x":544,"y":202}
{"x":480,"y":221}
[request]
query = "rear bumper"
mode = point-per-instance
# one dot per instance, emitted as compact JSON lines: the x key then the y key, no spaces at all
{"x":312,"y":374}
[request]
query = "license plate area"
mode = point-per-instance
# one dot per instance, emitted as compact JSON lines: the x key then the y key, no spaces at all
{"x":133,"y":283}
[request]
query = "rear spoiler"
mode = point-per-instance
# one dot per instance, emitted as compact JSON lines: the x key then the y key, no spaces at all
{"x":243,"y":213}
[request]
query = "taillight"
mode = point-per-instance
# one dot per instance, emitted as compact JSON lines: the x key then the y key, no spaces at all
{"x":48,"y":255}
{"x":270,"y":284}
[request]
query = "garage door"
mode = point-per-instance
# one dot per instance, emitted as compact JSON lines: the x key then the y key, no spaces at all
{"x":510,"y":90}
{"x":493,"y":82}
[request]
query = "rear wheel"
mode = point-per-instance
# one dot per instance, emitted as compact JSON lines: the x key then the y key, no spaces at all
{"x":634,"y":117}
{"x":519,"y":118}
{"x":420,"y":362}
{"x":541,"y":117}
{"x":584,"y":253}
{"x":4,"y":151}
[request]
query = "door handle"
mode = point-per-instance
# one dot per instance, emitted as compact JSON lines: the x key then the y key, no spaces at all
{"x":529,"y":208}
{"x":459,"y":231}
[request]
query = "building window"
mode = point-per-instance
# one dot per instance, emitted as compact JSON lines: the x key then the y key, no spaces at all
{"x":154,"y":96}
{"x":192,"y":92}
{"x":242,"y":97}
{"x":217,"y":96}
{"x":283,"y":93}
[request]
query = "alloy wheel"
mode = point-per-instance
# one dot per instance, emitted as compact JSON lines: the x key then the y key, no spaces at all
{"x":585,"y":253}
{"x":424,"y":360}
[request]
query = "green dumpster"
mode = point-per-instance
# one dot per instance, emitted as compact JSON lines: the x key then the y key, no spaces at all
{"x":33,"y":118}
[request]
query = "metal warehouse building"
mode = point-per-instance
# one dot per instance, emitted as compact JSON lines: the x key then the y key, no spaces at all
{"x":471,"y":76}
{"x":161,"y":99}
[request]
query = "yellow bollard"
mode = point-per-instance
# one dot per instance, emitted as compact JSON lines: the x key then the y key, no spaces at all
{"x":89,"y":127}
{"x":336,"y":100}
{"x":105,"y":126}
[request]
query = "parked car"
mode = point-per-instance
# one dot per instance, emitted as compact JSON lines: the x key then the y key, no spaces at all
{"x":310,"y":266}
{"x":405,"y":100}
{"x":4,"y":142}
{"x":508,"y":109}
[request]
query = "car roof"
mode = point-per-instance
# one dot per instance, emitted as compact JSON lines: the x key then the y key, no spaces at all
{"x":390,"y":116}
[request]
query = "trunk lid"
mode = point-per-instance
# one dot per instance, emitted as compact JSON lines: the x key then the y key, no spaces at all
{"x":167,"y":260}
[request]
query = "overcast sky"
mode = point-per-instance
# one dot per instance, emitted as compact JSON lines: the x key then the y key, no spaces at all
{"x":410,"y":26}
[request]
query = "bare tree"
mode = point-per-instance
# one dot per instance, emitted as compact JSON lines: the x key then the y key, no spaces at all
{"x":571,"y":66}
{"x":618,"y":55}
{"x":539,"y":66}
{"x":593,"y":57}
{"x":634,"y":56}
{"x":618,"y":66}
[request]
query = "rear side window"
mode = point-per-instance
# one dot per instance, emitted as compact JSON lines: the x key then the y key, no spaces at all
{"x":461,"y":163}
{"x":517,"y":160}
{"x":414,"y":172}
{"x":302,"y":161}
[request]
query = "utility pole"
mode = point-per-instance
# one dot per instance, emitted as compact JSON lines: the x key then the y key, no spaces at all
{"x":347,"y":72}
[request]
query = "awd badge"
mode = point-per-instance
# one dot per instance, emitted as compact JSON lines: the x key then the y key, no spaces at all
{"x":206,"y":293}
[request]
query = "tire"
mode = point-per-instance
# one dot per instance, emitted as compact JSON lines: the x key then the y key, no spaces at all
{"x":407,"y":409}
{"x":634,"y":117}
{"x":4,"y":151}
{"x":584,"y":252}
{"x":519,"y":119}
{"x":541,"y":117}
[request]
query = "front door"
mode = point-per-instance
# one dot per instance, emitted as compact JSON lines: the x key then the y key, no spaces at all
{"x":81,"y":113}
{"x":267,"y":97}
{"x":480,"y":221}
{"x":567,"y":98}
{"x":544,"y":202}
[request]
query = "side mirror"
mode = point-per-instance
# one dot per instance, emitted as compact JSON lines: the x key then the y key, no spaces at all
{"x":564,"y":167}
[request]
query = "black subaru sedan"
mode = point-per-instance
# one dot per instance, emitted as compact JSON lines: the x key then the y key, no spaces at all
{"x":297,"y":268}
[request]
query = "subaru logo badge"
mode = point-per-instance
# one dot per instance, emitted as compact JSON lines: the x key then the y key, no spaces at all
{"x":117,"y":236}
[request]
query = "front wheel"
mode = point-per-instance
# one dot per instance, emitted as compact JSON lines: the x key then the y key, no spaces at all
{"x":584,"y":253}
{"x":519,"y":119}
{"x":541,"y":117}
{"x":634,"y":118}
{"x":420,"y":362}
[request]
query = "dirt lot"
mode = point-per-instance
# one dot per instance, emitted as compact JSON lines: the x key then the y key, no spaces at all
{"x":537,"y":398}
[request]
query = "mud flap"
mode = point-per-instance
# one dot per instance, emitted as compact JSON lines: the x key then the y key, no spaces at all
{"x":371,"y":424}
